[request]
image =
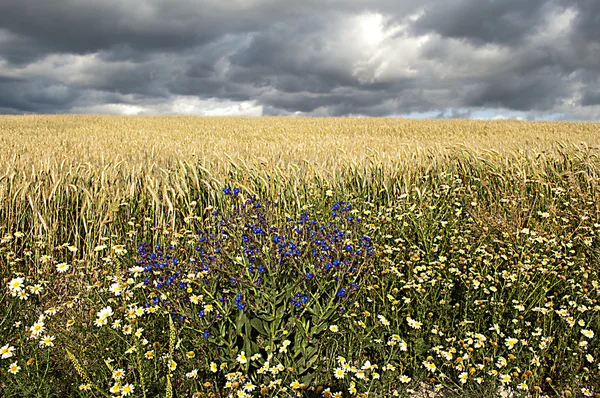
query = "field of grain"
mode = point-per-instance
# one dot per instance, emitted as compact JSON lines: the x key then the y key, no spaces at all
{"x":184,"y":256}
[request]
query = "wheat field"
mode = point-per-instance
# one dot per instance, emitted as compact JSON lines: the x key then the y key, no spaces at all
{"x":275,"y":256}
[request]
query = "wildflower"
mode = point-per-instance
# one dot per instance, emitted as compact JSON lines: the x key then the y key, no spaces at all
{"x":338,"y":373}
{"x":505,"y":379}
{"x":352,"y":388}
{"x":36,"y":289}
{"x":85,"y":387}
{"x":589,"y":358}
{"x":241,"y":358}
{"x":62,"y":267}
{"x":413,"y":323}
{"x":47,"y":341}
{"x":14,"y":368}
{"x":103,"y":316}
{"x":334,"y":328}
{"x":383,"y":320}
{"x":295,"y":385}
{"x":116,"y":289}
{"x":172,"y":365}
{"x":249,"y":387}
{"x":255,"y":357}
{"x":588,"y":333}
{"x":119,"y":249}
{"x":213,"y":367}
{"x":16,"y":284}
{"x":405,"y":379}
{"x":403,"y":346}
{"x":192,"y":374}
{"x":23,"y":295}
{"x":430,"y":366}
{"x":118,"y":374}
{"x":51,"y":311}
{"x":510,"y":343}
{"x":463,"y":377}
{"x":149,"y":354}
{"x":190,"y":354}
{"x":7,"y":351}
{"x":115,"y":389}
{"x":586,"y":392}
{"x":37,"y":328}
{"x":523,"y":386}
{"x":127,"y":389}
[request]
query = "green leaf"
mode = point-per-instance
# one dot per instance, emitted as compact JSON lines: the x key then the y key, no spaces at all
{"x":239,"y":323}
{"x":258,"y":326}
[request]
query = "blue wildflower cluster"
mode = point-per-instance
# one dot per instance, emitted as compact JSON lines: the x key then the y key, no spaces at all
{"x":251,"y":258}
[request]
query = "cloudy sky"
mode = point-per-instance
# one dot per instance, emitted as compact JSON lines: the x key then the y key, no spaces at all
{"x":535,"y":59}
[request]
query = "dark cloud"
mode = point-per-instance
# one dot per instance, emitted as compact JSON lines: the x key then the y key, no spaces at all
{"x":483,"y":21}
{"x":452,"y":58}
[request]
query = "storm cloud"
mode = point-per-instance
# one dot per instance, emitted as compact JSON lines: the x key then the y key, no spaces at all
{"x":535,"y":59}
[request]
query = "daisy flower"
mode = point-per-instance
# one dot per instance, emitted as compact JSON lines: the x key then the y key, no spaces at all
{"x":115,"y":389}
{"x":47,"y":341}
{"x":62,"y":267}
{"x":430,"y":366}
{"x":241,"y":358}
{"x":127,"y":389}
{"x":37,"y":328}
{"x":14,"y":368}
{"x":192,"y":374}
{"x":510,"y":343}
{"x":7,"y":351}
{"x":118,"y":374}
{"x":588,"y":333}
{"x":505,"y":379}
{"x":15,"y":284}
{"x":523,"y":386}
{"x":405,"y":379}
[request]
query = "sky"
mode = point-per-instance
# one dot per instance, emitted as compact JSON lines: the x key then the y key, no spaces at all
{"x":491,"y":59}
